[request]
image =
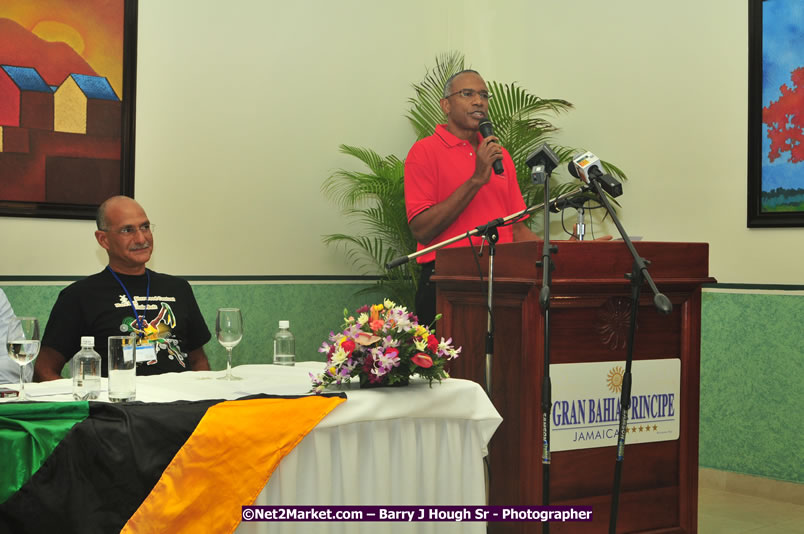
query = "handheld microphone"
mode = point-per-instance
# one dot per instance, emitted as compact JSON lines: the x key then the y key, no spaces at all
{"x":587,"y":167}
{"x":542,"y":161}
{"x":487,"y":129}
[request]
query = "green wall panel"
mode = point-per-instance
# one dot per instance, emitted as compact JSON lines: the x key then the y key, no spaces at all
{"x":752,"y":384}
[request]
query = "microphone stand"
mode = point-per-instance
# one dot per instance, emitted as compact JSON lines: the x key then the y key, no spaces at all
{"x":491,"y":235}
{"x":547,"y":266}
{"x":581,"y":227}
{"x":638,"y":275}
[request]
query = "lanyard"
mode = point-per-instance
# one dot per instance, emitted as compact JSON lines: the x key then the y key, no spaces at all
{"x":130,"y":300}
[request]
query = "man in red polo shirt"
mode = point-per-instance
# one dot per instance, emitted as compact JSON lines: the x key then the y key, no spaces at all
{"x":449,"y":184}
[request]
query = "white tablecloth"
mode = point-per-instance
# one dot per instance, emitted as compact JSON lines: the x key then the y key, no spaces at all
{"x":413,"y":445}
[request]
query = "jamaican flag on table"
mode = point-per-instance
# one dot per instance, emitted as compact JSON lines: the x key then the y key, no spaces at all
{"x":144,"y":467}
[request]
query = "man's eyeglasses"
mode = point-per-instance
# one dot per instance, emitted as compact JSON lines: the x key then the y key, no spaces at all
{"x":470,"y":93}
{"x":146,"y":228}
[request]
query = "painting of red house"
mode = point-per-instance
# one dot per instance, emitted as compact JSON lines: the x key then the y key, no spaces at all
{"x":25,"y":99}
{"x":66,"y":105}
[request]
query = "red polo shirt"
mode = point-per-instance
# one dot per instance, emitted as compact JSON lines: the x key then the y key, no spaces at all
{"x":436,"y":166}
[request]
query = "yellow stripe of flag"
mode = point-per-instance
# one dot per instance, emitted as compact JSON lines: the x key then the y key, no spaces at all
{"x":225,"y":464}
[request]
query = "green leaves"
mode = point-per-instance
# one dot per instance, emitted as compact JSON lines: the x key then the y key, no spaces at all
{"x":376,"y":202}
{"x":426,"y":112}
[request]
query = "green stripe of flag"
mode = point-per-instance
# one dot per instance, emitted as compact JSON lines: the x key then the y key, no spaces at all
{"x":29,"y":431}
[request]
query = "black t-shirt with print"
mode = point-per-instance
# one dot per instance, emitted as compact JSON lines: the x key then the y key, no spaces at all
{"x":98,"y":306}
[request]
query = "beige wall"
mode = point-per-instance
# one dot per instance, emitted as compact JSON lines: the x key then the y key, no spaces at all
{"x":240,"y":111}
{"x":660,"y":88}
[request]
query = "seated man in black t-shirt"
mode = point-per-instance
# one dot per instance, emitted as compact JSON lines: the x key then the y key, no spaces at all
{"x":126,"y":298}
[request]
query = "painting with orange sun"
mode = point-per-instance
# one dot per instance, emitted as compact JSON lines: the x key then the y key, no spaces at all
{"x":67,"y":93}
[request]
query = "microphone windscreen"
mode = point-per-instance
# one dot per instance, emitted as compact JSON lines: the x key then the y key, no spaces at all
{"x":486,"y":128}
{"x":663,"y":304}
{"x":572,"y":170}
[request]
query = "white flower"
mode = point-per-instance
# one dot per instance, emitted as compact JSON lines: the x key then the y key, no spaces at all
{"x":421,"y":344}
{"x":388,"y":304}
{"x":362,"y":319}
{"x":339,"y":356}
{"x":402,"y":320}
{"x":389,"y":341}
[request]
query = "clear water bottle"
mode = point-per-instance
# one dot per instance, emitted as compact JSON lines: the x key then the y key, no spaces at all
{"x":284,"y":345}
{"x":86,"y":371}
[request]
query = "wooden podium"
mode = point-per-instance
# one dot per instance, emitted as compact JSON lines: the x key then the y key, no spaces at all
{"x":589,"y":313}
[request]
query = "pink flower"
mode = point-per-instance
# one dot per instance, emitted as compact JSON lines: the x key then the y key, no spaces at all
{"x":422,"y":360}
{"x":376,"y":325}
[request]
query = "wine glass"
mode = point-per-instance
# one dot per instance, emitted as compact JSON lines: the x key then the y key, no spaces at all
{"x":22,"y":343}
{"x":229,"y":329}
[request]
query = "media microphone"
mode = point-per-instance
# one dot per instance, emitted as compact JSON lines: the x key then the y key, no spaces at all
{"x":587,"y":166}
{"x":487,"y":129}
{"x":542,"y":161}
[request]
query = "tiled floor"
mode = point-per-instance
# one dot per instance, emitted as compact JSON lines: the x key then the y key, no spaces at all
{"x":724,"y":512}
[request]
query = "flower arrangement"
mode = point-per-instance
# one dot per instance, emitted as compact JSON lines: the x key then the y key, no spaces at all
{"x":383,"y":346}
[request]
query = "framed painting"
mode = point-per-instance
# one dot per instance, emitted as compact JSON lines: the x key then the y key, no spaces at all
{"x":67,"y":101}
{"x":775,"y":113}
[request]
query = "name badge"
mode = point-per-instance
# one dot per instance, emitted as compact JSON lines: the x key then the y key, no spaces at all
{"x":145,"y":352}
{"x":128,"y":353}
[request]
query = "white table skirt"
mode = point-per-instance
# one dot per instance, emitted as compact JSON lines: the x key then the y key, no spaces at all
{"x":413,"y":445}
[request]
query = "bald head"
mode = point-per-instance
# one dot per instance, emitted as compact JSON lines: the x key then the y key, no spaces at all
{"x":125,"y":232}
{"x":100,"y":217}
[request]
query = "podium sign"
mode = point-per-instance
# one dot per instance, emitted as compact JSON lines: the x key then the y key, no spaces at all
{"x":589,"y":315}
{"x":586,"y":403}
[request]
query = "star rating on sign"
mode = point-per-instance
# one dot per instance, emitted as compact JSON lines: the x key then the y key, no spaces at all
{"x":646,"y":428}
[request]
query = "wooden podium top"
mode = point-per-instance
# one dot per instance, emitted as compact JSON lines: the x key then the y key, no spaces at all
{"x":581,"y":262}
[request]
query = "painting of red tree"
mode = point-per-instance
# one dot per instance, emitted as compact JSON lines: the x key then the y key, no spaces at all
{"x":776,"y":113}
{"x":785,"y":120}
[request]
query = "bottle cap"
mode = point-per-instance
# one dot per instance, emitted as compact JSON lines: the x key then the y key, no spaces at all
{"x":87,"y":341}
{"x":284,"y":324}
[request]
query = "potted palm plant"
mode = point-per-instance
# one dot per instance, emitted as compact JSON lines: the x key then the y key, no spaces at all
{"x":375,"y":199}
